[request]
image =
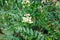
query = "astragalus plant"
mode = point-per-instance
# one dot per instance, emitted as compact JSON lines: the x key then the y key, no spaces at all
{"x":29,"y":20}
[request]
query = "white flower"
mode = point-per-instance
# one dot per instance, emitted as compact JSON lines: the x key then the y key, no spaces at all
{"x":26,"y":14}
{"x":27,"y":18}
{"x":30,"y":21}
{"x":25,"y":1}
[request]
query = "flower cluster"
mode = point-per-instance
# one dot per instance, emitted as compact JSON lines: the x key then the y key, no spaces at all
{"x":25,"y":2}
{"x":27,"y":18}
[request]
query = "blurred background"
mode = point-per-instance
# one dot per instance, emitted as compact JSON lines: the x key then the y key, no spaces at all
{"x":29,"y":19}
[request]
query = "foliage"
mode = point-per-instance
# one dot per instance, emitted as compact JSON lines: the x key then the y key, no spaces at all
{"x":42,"y":20}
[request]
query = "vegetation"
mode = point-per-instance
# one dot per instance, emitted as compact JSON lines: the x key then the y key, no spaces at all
{"x":29,"y":20}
